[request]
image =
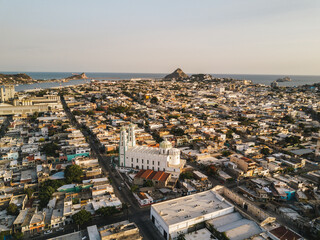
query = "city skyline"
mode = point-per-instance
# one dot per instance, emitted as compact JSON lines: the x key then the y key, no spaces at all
{"x":269,"y":37}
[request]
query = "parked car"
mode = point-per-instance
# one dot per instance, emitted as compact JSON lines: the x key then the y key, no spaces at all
{"x":48,"y":232}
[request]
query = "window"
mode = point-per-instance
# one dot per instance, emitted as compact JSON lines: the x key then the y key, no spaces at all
{"x":152,"y":162}
{"x":164,"y":169}
{"x":147,"y":161}
{"x":142,"y":161}
{"x":137,"y":160}
{"x":131,"y":159}
{"x":147,"y":167}
{"x":132,"y":165}
{"x":158,"y":163}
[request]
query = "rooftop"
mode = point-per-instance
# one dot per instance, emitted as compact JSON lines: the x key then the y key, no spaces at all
{"x":284,"y":233}
{"x":191,"y":207}
{"x":152,"y":175}
{"x":235,"y":226}
{"x":70,"y":236}
{"x":202,"y":234}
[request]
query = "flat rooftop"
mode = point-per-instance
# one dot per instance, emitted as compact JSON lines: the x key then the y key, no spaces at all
{"x":191,"y":207}
{"x":70,"y":236}
{"x":202,"y":234}
{"x":235,"y":226}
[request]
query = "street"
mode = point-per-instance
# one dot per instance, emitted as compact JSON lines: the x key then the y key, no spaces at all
{"x":140,"y":216}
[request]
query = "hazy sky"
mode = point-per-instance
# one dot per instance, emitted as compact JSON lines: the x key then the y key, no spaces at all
{"x":209,"y":36}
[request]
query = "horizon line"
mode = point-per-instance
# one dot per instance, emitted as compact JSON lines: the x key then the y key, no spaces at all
{"x":271,"y":74}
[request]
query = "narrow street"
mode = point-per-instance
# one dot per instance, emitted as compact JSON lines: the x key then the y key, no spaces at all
{"x":140,"y":216}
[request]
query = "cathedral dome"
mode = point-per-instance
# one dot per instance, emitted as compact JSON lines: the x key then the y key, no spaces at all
{"x":165,"y":144}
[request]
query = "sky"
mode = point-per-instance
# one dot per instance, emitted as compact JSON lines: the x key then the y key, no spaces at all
{"x":149,"y":36}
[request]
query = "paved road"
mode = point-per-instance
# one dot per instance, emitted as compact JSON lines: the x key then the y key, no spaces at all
{"x":138,"y":215}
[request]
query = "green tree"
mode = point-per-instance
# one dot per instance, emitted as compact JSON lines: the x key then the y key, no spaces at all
{"x":12,"y":209}
{"x":90,"y":113}
{"x":148,"y":183}
{"x":226,"y":153}
{"x":76,"y":113}
{"x":17,"y":235}
{"x":134,"y":188}
{"x":65,"y":126}
{"x":73,"y":173}
{"x":265,"y":151}
{"x":51,"y":149}
{"x":46,"y":190}
{"x":29,"y":192}
{"x":82,"y":217}
{"x":186,"y":175}
{"x":229,"y":134}
{"x":107,"y":211}
{"x":177,"y":131}
{"x":154,"y":100}
{"x":34,"y":116}
{"x":288,"y":118}
{"x":99,"y":108}
{"x":292,"y":140}
{"x":93,"y":99}
{"x":181,"y":236}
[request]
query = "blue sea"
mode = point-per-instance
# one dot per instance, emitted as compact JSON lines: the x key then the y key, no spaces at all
{"x":262,"y":79}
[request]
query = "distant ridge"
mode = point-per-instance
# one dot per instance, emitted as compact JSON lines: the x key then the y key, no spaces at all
{"x":177,"y":74}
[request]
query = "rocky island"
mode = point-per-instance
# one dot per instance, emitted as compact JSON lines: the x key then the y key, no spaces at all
{"x":22,"y":78}
{"x":77,"y":76}
{"x":178,"y":74}
{"x":19,"y":78}
{"x":285,"y":79}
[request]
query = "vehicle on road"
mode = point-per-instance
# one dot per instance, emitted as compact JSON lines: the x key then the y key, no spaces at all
{"x":48,"y":232}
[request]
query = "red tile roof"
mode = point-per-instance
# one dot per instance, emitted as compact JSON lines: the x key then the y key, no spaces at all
{"x":152,"y":175}
{"x":284,"y":233}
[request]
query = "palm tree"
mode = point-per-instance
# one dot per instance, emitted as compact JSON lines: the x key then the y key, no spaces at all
{"x":181,"y":236}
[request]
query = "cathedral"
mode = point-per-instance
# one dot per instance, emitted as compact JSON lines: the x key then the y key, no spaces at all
{"x":165,"y":158}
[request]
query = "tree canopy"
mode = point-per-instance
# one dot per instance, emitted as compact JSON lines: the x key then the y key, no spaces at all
{"x":177,"y":131}
{"x":82,"y":217}
{"x":51,"y":149}
{"x":107,"y":211}
{"x":154,"y":100}
{"x":12,"y":209}
{"x":46,"y":190}
{"x":73,"y":173}
{"x":265,"y":151}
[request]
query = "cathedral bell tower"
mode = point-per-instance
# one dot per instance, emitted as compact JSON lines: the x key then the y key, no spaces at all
{"x":123,"y":147}
{"x":132,"y":137}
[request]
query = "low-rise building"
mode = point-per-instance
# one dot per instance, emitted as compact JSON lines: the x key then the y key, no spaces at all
{"x":181,"y":214}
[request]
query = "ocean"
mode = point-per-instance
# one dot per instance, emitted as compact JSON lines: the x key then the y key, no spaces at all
{"x":262,"y":79}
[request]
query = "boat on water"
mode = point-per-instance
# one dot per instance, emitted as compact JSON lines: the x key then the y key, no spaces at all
{"x":285,"y":79}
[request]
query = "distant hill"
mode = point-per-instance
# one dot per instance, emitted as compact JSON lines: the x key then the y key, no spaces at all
{"x":77,"y":76}
{"x":15,"y":78}
{"x":177,"y":74}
